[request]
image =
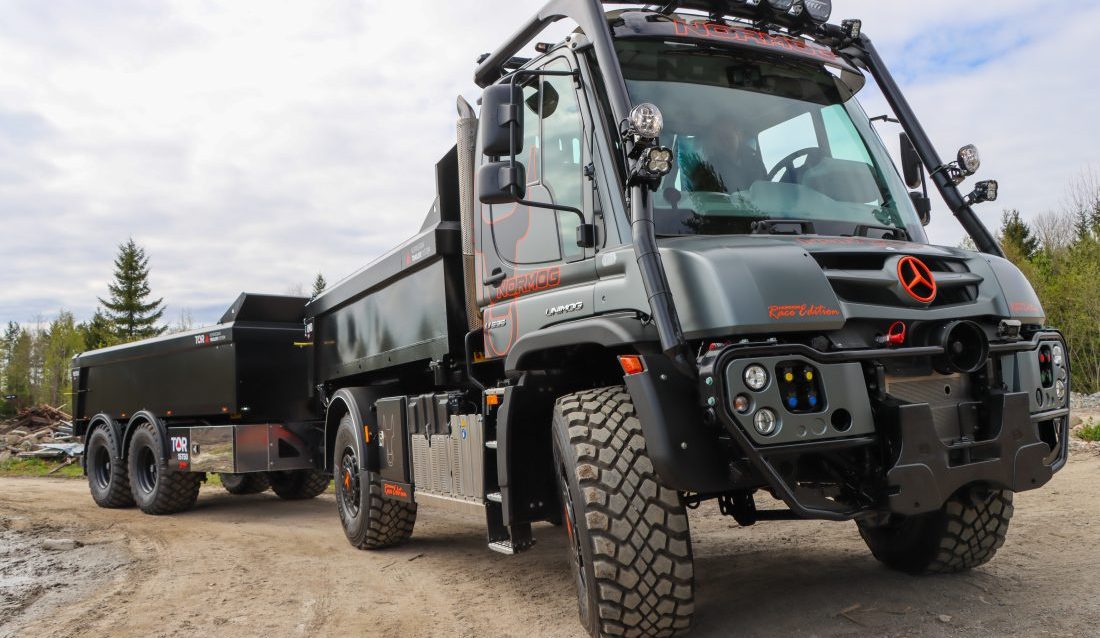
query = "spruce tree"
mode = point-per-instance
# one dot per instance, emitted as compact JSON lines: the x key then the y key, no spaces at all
{"x":133,"y":317}
{"x":1016,"y":237}
{"x":319,"y":285}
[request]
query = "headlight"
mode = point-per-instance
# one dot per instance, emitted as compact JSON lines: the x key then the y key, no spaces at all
{"x":756,"y":377}
{"x":1060,"y":389}
{"x":765,"y":422}
{"x":1059,"y":355}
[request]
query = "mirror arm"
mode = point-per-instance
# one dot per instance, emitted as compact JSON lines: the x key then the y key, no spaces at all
{"x":973,"y":226}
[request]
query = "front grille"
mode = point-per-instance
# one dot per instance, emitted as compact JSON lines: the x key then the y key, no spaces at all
{"x":868,"y":279}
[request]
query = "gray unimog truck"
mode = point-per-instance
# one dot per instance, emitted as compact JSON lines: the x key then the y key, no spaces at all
{"x":671,"y":261}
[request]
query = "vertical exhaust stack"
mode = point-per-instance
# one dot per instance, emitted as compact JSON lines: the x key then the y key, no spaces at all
{"x":467,"y":147}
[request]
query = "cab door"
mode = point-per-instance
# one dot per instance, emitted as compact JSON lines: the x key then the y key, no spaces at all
{"x":533,"y":273}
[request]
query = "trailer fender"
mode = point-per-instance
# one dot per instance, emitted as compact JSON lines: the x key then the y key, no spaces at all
{"x":102,"y":421}
{"x":359,"y":403}
{"x":684,"y":451}
{"x":145,"y":416}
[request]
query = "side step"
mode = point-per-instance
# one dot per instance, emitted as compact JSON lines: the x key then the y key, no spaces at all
{"x":504,"y":539}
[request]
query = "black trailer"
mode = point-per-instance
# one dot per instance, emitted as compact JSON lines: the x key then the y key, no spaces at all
{"x":670,"y":262}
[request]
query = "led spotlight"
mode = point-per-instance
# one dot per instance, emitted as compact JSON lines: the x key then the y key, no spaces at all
{"x":647,"y":120}
{"x":766,"y":422}
{"x":756,"y":377}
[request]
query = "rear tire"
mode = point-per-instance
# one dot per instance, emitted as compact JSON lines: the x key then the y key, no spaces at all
{"x":965,"y":533}
{"x":629,"y":540}
{"x":155,"y":488}
{"x":107,"y":477}
{"x":242,"y":484}
{"x":298,"y":485}
{"x":370,"y":520}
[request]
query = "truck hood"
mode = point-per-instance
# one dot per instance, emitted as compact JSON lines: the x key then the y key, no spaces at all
{"x":753,"y":284}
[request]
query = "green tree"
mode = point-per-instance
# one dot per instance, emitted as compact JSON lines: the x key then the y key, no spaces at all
{"x":1016,"y":236}
{"x":128,"y":309}
{"x":60,"y":342}
{"x":319,"y":285}
{"x":99,"y":332}
{"x":7,"y":357}
{"x":19,"y":367}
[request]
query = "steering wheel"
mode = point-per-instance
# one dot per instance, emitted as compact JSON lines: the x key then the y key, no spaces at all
{"x":787,"y":163}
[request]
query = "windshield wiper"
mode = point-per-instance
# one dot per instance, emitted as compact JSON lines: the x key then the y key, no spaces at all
{"x":888,"y":232}
{"x":783,"y":227}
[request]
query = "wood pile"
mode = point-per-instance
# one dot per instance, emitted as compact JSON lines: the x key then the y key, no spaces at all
{"x":38,"y":431}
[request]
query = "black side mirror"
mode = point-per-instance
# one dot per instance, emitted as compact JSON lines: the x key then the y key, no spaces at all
{"x":923,"y":206}
{"x":501,"y":120}
{"x":910,"y":163}
{"x":501,"y":183}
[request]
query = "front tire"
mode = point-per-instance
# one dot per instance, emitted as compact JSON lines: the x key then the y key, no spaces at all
{"x":965,"y":533}
{"x":630,"y":546}
{"x":370,"y":520}
{"x":108,"y":480}
{"x":298,"y":485}
{"x":242,"y":484}
{"x":155,"y":489}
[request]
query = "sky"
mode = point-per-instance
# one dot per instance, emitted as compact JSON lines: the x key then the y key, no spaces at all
{"x":249,"y":145}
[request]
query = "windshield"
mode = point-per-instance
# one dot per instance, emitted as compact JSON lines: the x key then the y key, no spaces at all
{"x":763,"y":138}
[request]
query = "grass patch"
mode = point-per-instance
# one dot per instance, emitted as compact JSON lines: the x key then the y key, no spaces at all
{"x":39,"y":467}
{"x":1091,"y":431}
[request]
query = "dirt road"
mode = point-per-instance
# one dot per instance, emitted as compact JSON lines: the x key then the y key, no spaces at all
{"x":257,"y":566}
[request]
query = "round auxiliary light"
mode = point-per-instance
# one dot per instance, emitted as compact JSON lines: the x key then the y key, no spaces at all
{"x":647,"y":121}
{"x":1059,"y":355}
{"x":1060,"y":389}
{"x":970,"y":160}
{"x":756,"y":377}
{"x":766,"y":422}
{"x":819,"y":10}
{"x":742,"y":403}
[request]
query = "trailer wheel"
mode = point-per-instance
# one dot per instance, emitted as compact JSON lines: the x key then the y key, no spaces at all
{"x":241,"y":484}
{"x":628,"y":535}
{"x":965,"y":533}
{"x":298,"y":485}
{"x":107,"y":477}
{"x":370,"y":520}
{"x":155,"y":489}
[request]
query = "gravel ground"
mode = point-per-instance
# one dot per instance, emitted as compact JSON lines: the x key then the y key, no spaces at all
{"x":257,"y":566}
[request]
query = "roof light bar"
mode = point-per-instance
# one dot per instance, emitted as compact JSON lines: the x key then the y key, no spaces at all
{"x":793,"y":14}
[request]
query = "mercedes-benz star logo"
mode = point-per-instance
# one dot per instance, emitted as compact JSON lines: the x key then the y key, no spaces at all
{"x":917,"y":280}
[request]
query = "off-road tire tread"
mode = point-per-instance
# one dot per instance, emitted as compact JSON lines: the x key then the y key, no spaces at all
{"x":968,"y":531}
{"x":252,"y":483}
{"x":118,"y":491}
{"x":389,"y":522}
{"x":301,"y":485}
{"x":642,"y":556}
{"x":176,"y":491}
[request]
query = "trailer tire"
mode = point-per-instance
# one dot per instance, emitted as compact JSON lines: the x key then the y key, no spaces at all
{"x":965,"y":533}
{"x":628,"y":535}
{"x":298,"y":485}
{"x":155,"y":488}
{"x":107,"y":477}
{"x":370,"y":520}
{"x":242,"y":484}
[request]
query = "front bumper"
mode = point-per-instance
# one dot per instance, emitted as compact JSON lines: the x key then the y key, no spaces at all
{"x":916,"y":468}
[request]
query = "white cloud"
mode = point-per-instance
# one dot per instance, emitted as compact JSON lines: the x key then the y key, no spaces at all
{"x":249,"y":145}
